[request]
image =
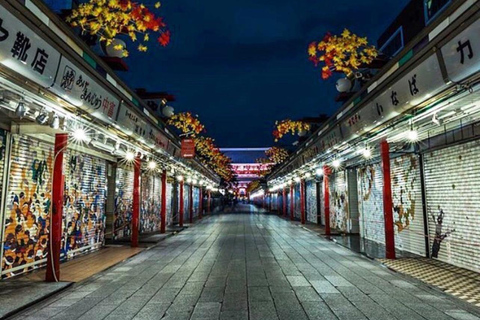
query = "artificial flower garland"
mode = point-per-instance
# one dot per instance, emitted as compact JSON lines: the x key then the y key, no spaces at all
{"x":289,"y":126}
{"x":344,"y":53}
{"x":110,"y":18}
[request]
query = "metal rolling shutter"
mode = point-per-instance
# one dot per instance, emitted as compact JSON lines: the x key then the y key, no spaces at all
{"x":338,"y":201}
{"x":186,"y":201}
{"x":322,"y":204}
{"x":289,"y":199}
{"x":196,"y":200}
{"x":84,"y":205}
{"x":298,"y":209}
{"x":370,"y":202}
{"x":169,"y":203}
{"x":27,"y":206}
{"x":122,"y":225}
{"x":275,"y":202}
{"x":3,"y":145}
{"x":150,"y":202}
{"x":407,"y":204}
{"x":312,"y":201}
{"x":452,"y":178}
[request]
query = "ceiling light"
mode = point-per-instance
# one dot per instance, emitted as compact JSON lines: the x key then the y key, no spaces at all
{"x":336,"y":163}
{"x":319,"y":172}
{"x":297,"y":179}
{"x":55,"y":124}
{"x":412,"y":135}
{"x":80,"y":135}
{"x":152,"y":165}
{"x":42,"y":118}
{"x":129,"y":156}
{"x":180,"y":178}
{"x":308,"y":175}
{"x":21,"y":110}
{"x":367,"y":153}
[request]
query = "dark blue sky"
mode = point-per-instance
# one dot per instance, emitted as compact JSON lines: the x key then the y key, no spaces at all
{"x":241,"y":65}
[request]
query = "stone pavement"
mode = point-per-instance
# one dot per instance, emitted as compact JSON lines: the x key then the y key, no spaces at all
{"x":250,"y":266}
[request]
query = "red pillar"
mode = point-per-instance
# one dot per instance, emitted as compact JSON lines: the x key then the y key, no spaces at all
{"x":163,"y":212}
{"x":292,"y":202}
{"x":284,"y":200}
{"x":302,"y":201}
{"x":200,"y":205}
{"x":180,"y":213}
{"x":326,"y":198}
{"x":190,"y":202}
{"x":387,"y":201}
{"x":136,"y":200}
{"x":55,"y":237}
{"x":208,"y":201}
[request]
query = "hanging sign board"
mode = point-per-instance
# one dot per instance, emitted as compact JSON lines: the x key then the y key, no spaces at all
{"x":23,"y":51}
{"x":188,"y":148}
{"x":75,"y":86}
{"x":462,"y":53}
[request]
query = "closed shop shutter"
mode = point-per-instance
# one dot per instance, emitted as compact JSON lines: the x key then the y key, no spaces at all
{"x":280,"y":202}
{"x":3,"y":146}
{"x":370,"y":202}
{"x":407,"y":204}
{"x":122,"y":226}
{"x":322,"y":204}
{"x":338,"y":201}
{"x":27,"y":205}
{"x":84,"y":205}
{"x":196,"y":201}
{"x":312,"y":201}
{"x":169,"y":203}
{"x":289,"y":199}
{"x":150,"y":202}
{"x":274,"y":202}
{"x":186,"y":201}
{"x":452,"y":179}
{"x":298,"y":202}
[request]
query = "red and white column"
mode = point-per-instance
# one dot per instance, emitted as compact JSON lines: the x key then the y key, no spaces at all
{"x":387,"y":201}
{"x":55,"y":237}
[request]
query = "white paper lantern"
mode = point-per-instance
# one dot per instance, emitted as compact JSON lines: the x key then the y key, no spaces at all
{"x":116,"y":53}
{"x":302,"y":133}
{"x":168,"y":111}
{"x":343,"y":85}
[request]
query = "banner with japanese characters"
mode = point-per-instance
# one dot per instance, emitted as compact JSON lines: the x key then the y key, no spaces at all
{"x":462,"y":53}
{"x":75,"y":86}
{"x":25,"y":52}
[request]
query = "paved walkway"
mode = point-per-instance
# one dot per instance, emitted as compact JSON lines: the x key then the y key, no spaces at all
{"x":250,"y":266}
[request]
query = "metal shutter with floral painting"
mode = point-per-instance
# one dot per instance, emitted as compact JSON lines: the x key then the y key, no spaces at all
{"x":27,"y":207}
{"x":452,"y":179}
{"x":122,"y":226}
{"x":312,"y":201}
{"x":338,"y":201}
{"x":298,"y":201}
{"x":84,"y":205}
{"x":150,"y":202}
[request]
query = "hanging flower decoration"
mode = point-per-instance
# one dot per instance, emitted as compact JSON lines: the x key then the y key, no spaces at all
{"x":289,"y":126}
{"x":277,"y":155}
{"x":187,"y":123}
{"x":344,"y":53}
{"x":110,"y":18}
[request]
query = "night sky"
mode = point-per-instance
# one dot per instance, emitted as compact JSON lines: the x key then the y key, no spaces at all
{"x":241,"y":65}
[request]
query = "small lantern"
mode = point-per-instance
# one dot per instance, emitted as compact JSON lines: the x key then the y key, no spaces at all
{"x":343,"y":85}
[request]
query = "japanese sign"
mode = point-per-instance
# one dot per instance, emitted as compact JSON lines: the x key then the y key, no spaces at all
{"x":462,"y":53}
{"x":156,"y":139}
{"x":188,"y":148}
{"x":417,"y":86}
{"x":25,"y":52}
{"x":75,"y":86}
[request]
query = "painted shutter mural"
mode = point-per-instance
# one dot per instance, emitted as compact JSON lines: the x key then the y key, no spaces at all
{"x":3,"y":142}
{"x":370,"y":198}
{"x":298,"y":209}
{"x":123,"y":203}
{"x":186,"y":208}
{"x":84,"y":205}
{"x":407,"y":204}
{"x":311,"y":195}
{"x":27,"y":206}
{"x":196,"y":201}
{"x":169,"y":203}
{"x":150,"y":202}
{"x":338,"y":201}
{"x":322,"y":204}
{"x":452,"y":178}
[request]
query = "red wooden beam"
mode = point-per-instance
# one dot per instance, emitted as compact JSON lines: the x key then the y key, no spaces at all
{"x":180,"y":213}
{"x":326,"y":198}
{"x":387,"y":201}
{"x":136,"y":200}
{"x":163,"y":212}
{"x":55,"y":237}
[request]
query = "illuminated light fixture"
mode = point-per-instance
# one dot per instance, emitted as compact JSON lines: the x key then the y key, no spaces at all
{"x":189,"y":180}
{"x":336,"y":163}
{"x":308,"y":175}
{"x":21,"y":110}
{"x":180,"y":178}
{"x":55,"y":124}
{"x":80,"y":135}
{"x":297,"y":179}
{"x":209,"y":187}
{"x":367,"y":153}
{"x":290,"y":182}
{"x":412,"y":135}
{"x":194,"y":181}
{"x":129,"y":156}
{"x":42,"y":118}
{"x":152,"y":165}
{"x":319,"y":172}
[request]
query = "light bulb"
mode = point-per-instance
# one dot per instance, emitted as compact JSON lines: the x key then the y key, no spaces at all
{"x":319,"y":172}
{"x":21,"y":110}
{"x":336,"y":163}
{"x":412,"y":135}
{"x":129,"y":156}
{"x":152,"y":165}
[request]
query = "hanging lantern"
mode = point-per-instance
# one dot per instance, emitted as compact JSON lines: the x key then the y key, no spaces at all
{"x":168,"y":111}
{"x":116,"y":48}
{"x":343,"y":85}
